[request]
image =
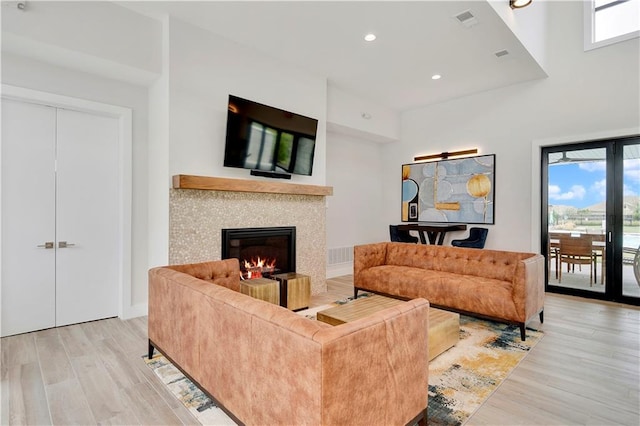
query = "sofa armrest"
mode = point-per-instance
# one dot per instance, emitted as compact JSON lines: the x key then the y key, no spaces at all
{"x":376,"y":368}
{"x":367,"y":256}
{"x":528,"y":286}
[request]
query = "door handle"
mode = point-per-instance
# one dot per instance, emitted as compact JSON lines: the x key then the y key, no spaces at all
{"x":47,"y":245}
{"x":64,"y":244}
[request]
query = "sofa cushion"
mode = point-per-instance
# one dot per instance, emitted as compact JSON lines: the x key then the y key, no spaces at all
{"x":454,"y":290}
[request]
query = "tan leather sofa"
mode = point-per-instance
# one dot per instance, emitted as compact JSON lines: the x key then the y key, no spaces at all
{"x":501,"y":285}
{"x":266,"y":365}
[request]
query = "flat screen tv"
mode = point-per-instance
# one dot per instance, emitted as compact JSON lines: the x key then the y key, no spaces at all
{"x":267,"y":139}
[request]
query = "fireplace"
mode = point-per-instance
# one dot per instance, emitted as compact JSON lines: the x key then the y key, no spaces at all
{"x":262,"y":252}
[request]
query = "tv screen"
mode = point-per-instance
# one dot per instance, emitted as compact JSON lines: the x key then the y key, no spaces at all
{"x":261,"y":137}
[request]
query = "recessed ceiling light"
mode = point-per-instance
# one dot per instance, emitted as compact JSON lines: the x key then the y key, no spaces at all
{"x":370,"y":37}
{"x":436,"y":77}
{"x":517,"y":4}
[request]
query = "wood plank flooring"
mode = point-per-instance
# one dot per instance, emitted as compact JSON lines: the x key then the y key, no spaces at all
{"x":584,"y":371}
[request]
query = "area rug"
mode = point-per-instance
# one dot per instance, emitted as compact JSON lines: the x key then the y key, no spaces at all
{"x":196,"y":401}
{"x":460,"y":379}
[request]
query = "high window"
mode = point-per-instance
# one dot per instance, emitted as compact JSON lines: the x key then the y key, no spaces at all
{"x":610,"y":21}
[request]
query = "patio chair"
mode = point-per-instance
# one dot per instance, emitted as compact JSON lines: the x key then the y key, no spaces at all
{"x":576,"y":251}
{"x":553,"y":248}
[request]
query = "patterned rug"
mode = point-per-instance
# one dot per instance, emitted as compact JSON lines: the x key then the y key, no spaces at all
{"x":460,"y":379}
{"x":198,"y":404}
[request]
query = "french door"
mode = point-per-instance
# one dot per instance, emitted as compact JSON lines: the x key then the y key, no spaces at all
{"x":60,"y":209}
{"x":591,"y":219}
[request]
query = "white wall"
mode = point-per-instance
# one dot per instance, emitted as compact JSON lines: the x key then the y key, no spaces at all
{"x":354,"y":168}
{"x":97,"y":37}
{"x":158,"y":169}
{"x":204,"y":69}
{"x":586,"y":93}
{"x":526,"y":23}
{"x":354,"y":116}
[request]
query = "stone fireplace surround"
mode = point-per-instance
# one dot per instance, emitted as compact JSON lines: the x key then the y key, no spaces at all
{"x":200,"y":207}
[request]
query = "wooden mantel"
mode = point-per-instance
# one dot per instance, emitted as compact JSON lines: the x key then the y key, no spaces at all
{"x":244,"y":185}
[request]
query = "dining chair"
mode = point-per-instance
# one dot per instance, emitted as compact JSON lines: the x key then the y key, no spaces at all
{"x":476,"y":239}
{"x":575,"y":250}
{"x":401,"y":236}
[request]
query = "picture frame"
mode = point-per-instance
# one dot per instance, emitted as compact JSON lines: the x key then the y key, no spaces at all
{"x":460,"y":190}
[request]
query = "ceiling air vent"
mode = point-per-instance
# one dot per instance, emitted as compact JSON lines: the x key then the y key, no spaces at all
{"x":466,"y":18}
{"x":501,"y":53}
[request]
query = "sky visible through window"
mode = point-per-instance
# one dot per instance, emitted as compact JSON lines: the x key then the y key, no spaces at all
{"x":583,"y":184}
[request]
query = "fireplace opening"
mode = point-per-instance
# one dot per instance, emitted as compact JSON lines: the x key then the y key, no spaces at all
{"x":262,"y":252}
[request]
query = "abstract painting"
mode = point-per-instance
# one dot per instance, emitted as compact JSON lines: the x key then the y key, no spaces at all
{"x":453,"y":190}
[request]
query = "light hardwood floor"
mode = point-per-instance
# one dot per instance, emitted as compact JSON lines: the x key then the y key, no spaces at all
{"x":584,"y":371}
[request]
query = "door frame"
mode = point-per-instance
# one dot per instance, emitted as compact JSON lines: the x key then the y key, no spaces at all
{"x":125,"y":137}
{"x":536,"y":184}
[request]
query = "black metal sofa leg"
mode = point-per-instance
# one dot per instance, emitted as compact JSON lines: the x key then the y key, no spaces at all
{"x":151,"y":348}
{"x":523,"y":334}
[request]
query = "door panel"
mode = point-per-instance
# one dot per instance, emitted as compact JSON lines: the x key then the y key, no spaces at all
{"x":28,"y":217}
{"x":577,"y":212}
{"x":87,"y":219}
{"x":631,"y":221}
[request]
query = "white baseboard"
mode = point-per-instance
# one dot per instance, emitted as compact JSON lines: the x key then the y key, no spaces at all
{"x":135,"y":311}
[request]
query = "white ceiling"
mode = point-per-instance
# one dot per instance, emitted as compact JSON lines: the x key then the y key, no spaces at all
{"x":415,"y":39}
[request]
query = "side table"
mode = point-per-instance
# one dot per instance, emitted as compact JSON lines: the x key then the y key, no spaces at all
{"x":295,"y":290}
{"x":261,"y":288}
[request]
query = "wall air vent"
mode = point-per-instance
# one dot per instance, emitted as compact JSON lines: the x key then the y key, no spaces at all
{"x":501,"y":53}
{"x":466,"y":18}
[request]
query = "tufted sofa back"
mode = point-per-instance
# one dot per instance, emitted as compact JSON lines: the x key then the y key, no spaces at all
{"x":495,"y":264}
{"x":225,"y":273}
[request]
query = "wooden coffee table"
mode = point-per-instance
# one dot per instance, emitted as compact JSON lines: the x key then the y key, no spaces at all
{"x":444,"y":326}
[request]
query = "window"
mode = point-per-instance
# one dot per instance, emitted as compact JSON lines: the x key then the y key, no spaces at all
{"x":610,"y":21}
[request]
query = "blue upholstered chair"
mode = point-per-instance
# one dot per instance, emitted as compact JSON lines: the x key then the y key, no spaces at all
{"x":476,"y":239}
{"x":401,"y":236}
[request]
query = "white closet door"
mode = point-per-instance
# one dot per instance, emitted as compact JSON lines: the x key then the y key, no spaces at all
{"x":60,"y":185}
{"x":87,"y":217}
{"x":28,"y":217}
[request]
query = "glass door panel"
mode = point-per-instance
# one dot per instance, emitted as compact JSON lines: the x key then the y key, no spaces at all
{"x":577,"y":218}
{"x":631,"y":221}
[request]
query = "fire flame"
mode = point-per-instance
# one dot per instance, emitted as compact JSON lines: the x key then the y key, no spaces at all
{"x":255,"y":267}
